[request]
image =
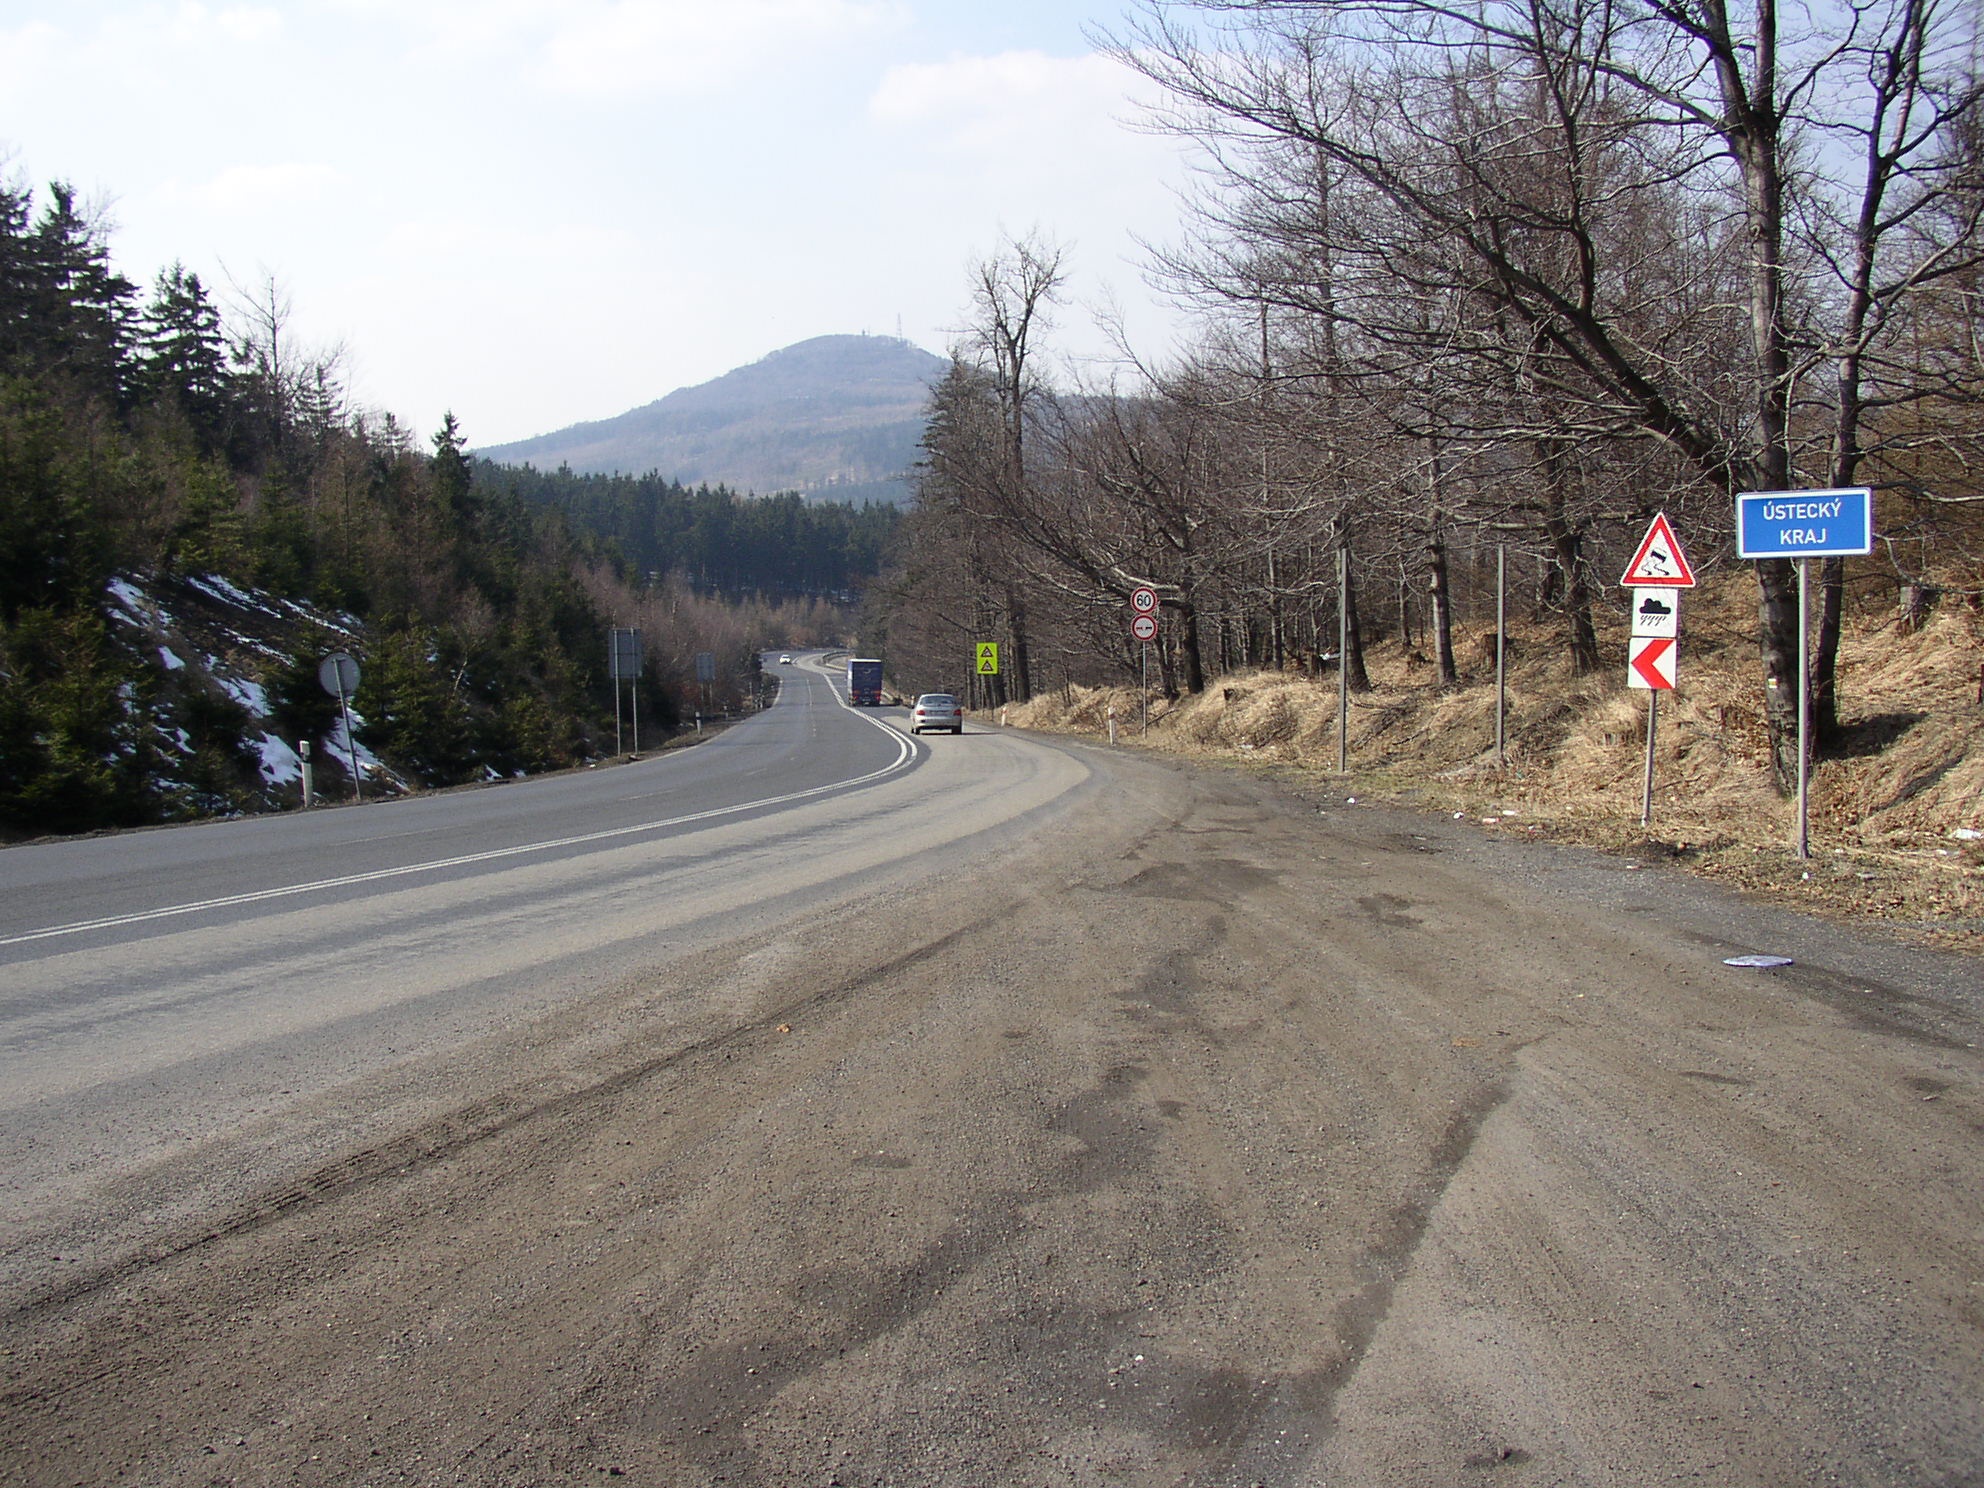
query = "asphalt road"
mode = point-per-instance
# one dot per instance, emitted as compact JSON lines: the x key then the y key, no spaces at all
{"x":177,"y":991}
{"x":1023,"y":1113}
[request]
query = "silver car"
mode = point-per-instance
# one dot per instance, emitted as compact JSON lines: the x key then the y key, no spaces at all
{"x":936,"y":710}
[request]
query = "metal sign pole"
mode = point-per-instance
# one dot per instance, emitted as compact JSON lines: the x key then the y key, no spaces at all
{"x":1146,"y":688}
{"x":1836,"y":523}
{"x":635,"y":693}
{"x":1652,"y":724}
{"x":351,"y":743}
{"x":1342,"y":662}
{"x":1804,"y":709}
{"x":1501,"y":658}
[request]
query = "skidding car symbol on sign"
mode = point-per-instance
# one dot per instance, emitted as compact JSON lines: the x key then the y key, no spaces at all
{"x":1659,"y":561}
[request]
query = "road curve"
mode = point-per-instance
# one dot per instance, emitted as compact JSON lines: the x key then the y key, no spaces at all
{"x":1037,"y":1115}
{"x":172,"y":1002}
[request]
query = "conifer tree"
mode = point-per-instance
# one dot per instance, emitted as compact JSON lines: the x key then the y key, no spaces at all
{"x":83,"y":315}
{"x":184,"y":362}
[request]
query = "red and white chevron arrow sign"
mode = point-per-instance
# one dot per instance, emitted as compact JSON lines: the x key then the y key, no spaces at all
{"x":1650,"y":662}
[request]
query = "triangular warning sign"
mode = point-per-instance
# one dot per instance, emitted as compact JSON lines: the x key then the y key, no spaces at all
{"x":1659,"y":561}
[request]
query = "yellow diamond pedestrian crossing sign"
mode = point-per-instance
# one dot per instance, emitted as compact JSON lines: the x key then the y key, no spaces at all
{"x":988,"y":658}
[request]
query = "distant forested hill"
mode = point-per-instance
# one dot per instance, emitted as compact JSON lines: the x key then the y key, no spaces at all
{"x":711,"y":538}
{"x":836,"y":417}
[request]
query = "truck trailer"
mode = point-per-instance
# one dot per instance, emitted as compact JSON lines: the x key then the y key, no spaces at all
{"x":864,"y":681}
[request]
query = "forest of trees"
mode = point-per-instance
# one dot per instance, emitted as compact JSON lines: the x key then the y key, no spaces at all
{"x":713,"y":539}
{"x":1516,"y":274}
{"x":172,"y":433}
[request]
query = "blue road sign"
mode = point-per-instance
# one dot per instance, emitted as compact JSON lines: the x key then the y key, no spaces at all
{"x":1804,"y":524}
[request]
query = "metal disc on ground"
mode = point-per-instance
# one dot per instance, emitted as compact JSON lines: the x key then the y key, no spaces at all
{"x":1757,"y":961}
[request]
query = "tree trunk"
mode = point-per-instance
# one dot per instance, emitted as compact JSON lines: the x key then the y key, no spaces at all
{"x":1825,"y":652}
{"x":1437,"y":584}
{"x":1195,"y":671}
{"x":1756,"y":136}
{"x":1567,"y":546}
{"x":1016,"y":627}
{"x":1912,"y":609}
{"x":1277,"y":642}
{"x":1359,"y":679}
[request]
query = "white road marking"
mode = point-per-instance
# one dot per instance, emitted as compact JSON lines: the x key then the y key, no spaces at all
{"x":905,"y":753}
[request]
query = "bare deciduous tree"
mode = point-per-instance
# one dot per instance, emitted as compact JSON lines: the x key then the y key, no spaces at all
{"x":1636,"y":215}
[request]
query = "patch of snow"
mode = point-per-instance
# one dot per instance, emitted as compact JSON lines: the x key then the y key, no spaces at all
{"x":251,"y":695}
{"x":339,"y":621}
{"x":280,"y":765}
{"x":219,"y":588}
{"x":132,"y":605}
{"x":337,"y":743}
{"x":169,"y":661}
{"x":253,"y":643}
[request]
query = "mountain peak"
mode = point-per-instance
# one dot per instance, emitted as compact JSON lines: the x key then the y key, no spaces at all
{"x":834,"y":417}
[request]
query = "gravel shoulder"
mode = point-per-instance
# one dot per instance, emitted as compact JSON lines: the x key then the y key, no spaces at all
{"x":1211,"y":1134}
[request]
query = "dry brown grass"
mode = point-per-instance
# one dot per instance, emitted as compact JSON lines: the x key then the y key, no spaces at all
{"x":1886,"y":812}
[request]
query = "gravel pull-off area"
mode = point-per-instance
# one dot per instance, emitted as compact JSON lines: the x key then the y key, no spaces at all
{"x":1208,"y":1136}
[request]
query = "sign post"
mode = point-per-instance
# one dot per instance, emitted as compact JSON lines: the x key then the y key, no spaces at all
{"x":1657,"y":575}
{"x":1836,"y":523}
{"x":623,"y":664}
{"x":337,"y":674}
{"x":1342,"y":661}
{"x":1143,"y":607}
{"x":706,"y":681}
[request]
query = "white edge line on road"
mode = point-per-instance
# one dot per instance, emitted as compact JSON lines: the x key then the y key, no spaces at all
{"x":906,"y":753}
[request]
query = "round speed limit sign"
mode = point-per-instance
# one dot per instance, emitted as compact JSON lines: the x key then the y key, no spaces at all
{"x":1144,"y":628}
{"x":1144,"y":600}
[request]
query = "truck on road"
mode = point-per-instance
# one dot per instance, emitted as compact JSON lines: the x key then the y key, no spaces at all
{"x":864,"y":681}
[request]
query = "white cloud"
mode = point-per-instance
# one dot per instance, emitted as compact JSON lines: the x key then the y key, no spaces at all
{"x":130,"y":50}
{"x":193,"y":23}
{"x":1057,"y":132}
{"x":254,"y":188}
{"x":499,"y":252}
{"x":246,"y":23}
{"x":610,"y":47}
{"x":691,"y":44}
{"x":982,"y":104}
{"x":1006,"y":144}
{"x":28,"y":54}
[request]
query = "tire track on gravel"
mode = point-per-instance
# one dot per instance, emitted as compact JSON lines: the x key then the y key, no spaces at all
{"x":466,"y":1127}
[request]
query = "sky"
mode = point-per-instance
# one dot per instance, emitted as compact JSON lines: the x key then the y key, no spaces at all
{"x":536,"y":212}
